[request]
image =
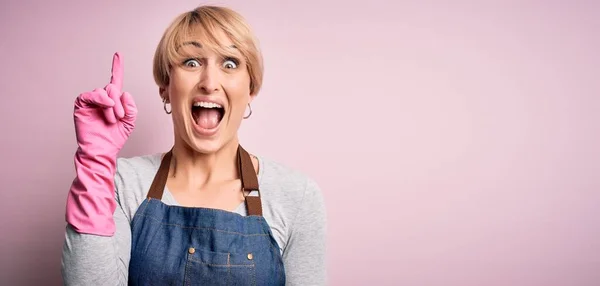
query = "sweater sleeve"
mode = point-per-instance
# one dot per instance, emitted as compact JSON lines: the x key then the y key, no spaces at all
{"x":98,"y":260}
{"x":304,"y":255}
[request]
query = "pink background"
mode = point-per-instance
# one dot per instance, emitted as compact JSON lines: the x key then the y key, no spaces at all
{"x":456,"y":144}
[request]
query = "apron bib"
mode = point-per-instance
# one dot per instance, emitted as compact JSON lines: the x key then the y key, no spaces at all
{"x":175,"y":245}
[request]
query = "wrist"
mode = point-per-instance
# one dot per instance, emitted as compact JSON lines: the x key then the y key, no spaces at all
{"x":101,"y":163}
{"x":98,"y":155}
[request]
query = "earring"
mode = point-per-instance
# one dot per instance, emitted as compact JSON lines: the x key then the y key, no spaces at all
{"x":165,"y":106}
{"x":248,"y":116}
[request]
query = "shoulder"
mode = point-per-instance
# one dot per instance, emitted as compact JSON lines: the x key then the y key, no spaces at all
{"x":289,"y":197}
{"x":135,"y":164}
{"x":289,"y":182}
{"x":133,"y":179}
{"x":294,"y":207}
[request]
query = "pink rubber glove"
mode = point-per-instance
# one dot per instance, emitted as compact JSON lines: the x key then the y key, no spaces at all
{"x":104,"y":119}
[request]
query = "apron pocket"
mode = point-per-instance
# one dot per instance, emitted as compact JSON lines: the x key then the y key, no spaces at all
{"x":214,"y":268}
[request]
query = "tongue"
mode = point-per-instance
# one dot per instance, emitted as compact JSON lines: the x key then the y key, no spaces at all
{"x":208,"y":118}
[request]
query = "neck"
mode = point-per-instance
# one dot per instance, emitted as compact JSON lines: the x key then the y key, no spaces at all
{"x":199,"y":169}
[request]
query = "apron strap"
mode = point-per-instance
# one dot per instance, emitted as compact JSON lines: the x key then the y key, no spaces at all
{"x":249,"y":182}
{"x":160,"y":179}
{"x":245,"y":171}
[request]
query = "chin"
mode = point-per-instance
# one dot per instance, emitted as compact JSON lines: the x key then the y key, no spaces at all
{"x":206,"y":146}
{"x":210,"y":141}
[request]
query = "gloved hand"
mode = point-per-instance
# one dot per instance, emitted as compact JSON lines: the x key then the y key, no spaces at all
{"x":104,"y":119}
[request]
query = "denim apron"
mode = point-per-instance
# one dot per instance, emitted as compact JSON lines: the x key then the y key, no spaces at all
{"x":175,"y":245}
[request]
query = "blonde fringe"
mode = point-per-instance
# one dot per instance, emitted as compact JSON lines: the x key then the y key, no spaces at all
{"x":205,"y":22}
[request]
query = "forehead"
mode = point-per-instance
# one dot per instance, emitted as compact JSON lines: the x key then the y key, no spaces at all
{"x":202,"y":40}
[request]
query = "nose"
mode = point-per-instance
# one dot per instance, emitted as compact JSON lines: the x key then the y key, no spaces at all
{"x":209,"y":80}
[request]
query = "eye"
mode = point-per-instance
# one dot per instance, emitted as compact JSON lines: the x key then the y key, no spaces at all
{"x":230,"y":63}
{"x":192,"y":63}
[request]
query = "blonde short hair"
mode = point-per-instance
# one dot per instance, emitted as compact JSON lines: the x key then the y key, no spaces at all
{"x":206,"y":22}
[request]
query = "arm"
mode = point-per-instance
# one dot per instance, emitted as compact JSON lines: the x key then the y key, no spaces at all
{"x":98,"y":238}
{"x":89,"y":259}
{"x":304,"y":255}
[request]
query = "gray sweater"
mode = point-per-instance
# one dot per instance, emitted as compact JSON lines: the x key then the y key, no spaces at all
{"x":292,"y":205}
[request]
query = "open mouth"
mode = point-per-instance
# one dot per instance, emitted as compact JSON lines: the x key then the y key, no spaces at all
{"x":207,"y":115}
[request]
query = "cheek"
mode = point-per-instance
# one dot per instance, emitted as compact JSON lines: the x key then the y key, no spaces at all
{"x":179,"y":84}
{"x":179,"y":87}
{"x":239,"y":104}
{"x":238,"y":88}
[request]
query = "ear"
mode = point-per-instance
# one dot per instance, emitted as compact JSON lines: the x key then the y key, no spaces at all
{"x":164,"y":94}
{"x":252,"y":97}
{"x":253,"y":92}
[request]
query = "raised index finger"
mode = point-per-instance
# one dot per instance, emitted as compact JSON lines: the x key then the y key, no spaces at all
{"x":116,"y":77}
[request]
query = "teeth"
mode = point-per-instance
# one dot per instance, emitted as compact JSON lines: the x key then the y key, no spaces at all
{"x":207,"y":104}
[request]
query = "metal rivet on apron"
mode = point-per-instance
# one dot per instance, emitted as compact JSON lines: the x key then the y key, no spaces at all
{"x":191,"y":250}
{"x":250,"y":256}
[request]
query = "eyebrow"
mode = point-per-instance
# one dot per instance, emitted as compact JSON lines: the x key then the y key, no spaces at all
{"x":198,"y":45}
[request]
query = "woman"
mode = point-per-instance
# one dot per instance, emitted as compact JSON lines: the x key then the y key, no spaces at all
{"x":206,"y":212}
